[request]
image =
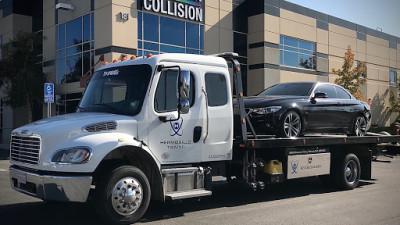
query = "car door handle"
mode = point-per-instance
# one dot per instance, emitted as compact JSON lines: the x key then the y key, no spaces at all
{"x":197,"y":134}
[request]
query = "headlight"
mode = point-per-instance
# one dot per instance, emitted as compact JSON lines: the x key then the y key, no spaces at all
{"x":72,"y":156}
{"x":266,"y":110}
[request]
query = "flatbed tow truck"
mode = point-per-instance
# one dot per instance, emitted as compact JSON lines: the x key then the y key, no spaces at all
{"x":159,"y":128}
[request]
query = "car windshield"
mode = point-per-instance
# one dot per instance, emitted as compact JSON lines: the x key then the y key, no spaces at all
{"x":118,"y":90}
{"x":294,"y":89}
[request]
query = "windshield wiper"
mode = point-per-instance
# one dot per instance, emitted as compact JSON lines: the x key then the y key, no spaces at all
{"x":110,"y":107}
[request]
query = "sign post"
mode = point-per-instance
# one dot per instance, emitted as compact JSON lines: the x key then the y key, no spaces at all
{"x":49,"y":96}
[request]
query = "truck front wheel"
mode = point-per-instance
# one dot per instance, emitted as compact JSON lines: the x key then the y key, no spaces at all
{"x":348,"y":173}
{"x":124,"y":196}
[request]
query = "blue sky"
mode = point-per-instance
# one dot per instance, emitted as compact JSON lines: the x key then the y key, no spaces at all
{"x":384,"y":14}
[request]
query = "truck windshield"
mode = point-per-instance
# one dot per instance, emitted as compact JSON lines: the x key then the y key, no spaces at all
{"x":118,"y":90}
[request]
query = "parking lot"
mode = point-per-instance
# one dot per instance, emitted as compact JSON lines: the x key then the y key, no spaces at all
{"x":304,"y":201}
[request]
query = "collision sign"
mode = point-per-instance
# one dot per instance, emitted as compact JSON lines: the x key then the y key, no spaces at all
{"x":185,"y":9}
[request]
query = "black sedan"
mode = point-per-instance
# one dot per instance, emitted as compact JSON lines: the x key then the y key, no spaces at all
{"x":298,"y":108}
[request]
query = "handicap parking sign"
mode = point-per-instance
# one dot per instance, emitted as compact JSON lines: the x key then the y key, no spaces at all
{"x":49,"y":92}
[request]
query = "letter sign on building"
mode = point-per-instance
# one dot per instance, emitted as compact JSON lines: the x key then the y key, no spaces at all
{"x":185,"y":9}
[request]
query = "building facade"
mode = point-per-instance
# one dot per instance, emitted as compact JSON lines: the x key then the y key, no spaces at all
{"x":277,"y":41}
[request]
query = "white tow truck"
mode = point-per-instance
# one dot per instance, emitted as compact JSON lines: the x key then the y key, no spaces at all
{"x":159,"y":128}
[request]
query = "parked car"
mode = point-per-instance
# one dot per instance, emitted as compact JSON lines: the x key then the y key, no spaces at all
{"x":297,"y":108}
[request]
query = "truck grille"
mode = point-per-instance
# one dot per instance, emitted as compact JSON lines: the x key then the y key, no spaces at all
{"x":25,"y":149}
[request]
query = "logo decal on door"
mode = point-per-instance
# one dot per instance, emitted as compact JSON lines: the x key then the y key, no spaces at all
{"x":176,"y":127}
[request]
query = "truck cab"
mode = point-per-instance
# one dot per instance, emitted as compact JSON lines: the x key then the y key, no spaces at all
{"x":162,"y":115}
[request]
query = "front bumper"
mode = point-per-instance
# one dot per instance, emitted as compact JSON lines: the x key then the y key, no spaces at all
{"x":50,"y":187}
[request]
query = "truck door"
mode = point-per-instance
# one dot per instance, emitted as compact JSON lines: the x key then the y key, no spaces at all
{"x":176,"y":140}
{"x":218,"y":122}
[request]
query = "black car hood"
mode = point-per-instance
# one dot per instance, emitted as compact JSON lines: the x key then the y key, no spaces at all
{"x":263,"y":101}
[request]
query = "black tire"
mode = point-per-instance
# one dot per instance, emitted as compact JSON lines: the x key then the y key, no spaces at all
{"x":347,"y":174}
{"x":359,"y":126}
{"x":124,"y":196}
{"x":290,"y":125}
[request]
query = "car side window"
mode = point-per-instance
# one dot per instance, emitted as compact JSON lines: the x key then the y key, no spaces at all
{"x":342,"y":93}
{"x":216,"y":87}
{"x":328,"y":89}
{"x":166,"y":97}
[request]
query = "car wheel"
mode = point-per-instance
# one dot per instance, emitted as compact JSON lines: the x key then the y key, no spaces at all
{"x":124,"y":196}
{"x":360,"y":126}
{"x":290,"y":125}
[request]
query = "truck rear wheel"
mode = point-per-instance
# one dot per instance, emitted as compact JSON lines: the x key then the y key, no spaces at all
{"x":124,"y":196}
{"x":348,"y":172}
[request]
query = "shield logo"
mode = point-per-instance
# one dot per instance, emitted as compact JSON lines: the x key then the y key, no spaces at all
{"x":176,"y":127}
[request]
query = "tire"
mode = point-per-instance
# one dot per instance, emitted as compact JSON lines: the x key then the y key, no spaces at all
{"x":347,"y":174}
{"x":124,"y":196}
{"x":359,"y":126}
{"x":290,"y":125}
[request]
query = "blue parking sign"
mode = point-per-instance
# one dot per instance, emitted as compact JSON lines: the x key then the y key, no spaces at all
{"x":49,"y":92}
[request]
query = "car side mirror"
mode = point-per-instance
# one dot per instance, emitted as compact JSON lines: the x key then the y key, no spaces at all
{"x":184,"y":91}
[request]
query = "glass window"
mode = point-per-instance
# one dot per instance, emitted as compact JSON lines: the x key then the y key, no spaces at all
{"x":166,"y":98}
{"x":74,"y":32}
{"x":295,"y":89}
{"x":118,"y":90}
{"x":217,"y":93}
{"x":297,"y":53}
{"x":150,"y":25}
{"x":86,"y":28}
{"x":393,"y":77}
{"x":175,"y":36}
{"x":329,"y":90}
{"x":172,"y":31}
{"x":342,"y":93}
{"x":192,"y":35}
{"x":74,"y":59}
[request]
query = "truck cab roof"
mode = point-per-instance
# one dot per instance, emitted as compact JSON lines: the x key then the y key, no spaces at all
{"x":209,"y":60}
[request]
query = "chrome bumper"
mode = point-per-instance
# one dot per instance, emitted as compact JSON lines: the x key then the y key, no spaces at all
{"x":53,"y":188}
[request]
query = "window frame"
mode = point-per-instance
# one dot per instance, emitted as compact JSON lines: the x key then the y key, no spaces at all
{"x":391,"y":82}
{"x":207,"y":90}
{"x":192,"y":91}
{"x":287,"y":48}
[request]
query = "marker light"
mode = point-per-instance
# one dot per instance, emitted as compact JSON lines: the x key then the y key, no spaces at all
{"x":105,"y":63}
{"x":115,"y":60}
{"x":149,"y":55}
{"x":133,"y":57}
{"x":124,"y":58}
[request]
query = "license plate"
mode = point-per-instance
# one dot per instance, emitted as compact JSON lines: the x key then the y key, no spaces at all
{"x":21,"y":177}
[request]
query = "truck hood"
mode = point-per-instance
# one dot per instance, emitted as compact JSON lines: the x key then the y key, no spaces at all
{"x":68,"y":124}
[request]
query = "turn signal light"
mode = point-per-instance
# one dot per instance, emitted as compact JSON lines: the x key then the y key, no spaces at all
{"x":133,"y":57}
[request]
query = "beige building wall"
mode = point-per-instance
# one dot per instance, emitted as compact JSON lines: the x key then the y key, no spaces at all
{"x":218,"y":34}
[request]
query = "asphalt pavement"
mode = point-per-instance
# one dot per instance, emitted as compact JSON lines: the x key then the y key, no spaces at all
{"x":301,"y":201}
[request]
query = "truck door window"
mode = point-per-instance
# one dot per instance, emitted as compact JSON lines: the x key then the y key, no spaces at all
{"x":166,"y":98}
{"x":216,"y":88}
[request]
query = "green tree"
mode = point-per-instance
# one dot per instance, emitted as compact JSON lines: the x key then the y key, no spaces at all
{"x":351,"y":77}
{"x":21,"y":72}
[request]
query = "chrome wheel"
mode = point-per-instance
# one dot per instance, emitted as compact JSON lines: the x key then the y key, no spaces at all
{"x":292,"y":125}
{"x":360,"y":126}
{"x":127,"y":196}
{"x":351,"y":172}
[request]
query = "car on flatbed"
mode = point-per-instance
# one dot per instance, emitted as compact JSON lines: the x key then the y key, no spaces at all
{"x":297,"y":108}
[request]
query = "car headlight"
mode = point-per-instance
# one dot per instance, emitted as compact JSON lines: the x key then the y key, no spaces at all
{"x":72,"y":156}
{"x":266,"y":110}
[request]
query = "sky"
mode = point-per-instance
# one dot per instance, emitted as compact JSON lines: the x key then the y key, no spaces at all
{"x":382,"y":14}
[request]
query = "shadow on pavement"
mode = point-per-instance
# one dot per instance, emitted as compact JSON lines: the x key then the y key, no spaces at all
{"x":224,"y":196}
{"x":4,"y":154}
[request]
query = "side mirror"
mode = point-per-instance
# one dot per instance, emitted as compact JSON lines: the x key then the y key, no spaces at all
{"x":320,"y":95}
{"x":184,"y":91}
